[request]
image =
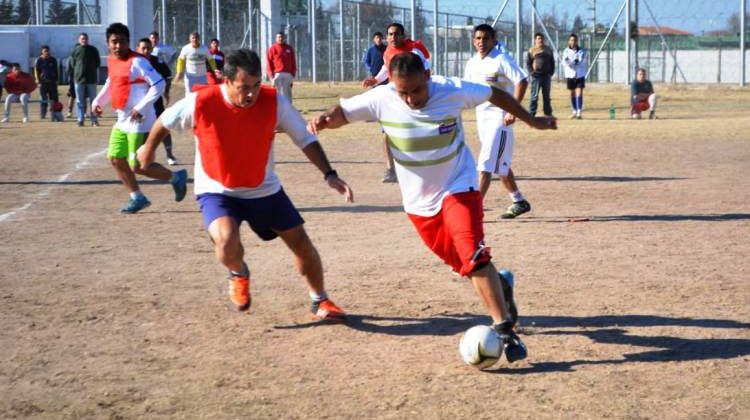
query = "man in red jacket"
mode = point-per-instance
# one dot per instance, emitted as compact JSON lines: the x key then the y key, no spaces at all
{"x":281,"y":67}
{"x":19,"y":86}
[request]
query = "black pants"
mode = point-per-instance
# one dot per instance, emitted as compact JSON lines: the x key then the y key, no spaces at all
{"x":542,"y":82}
{"x":159,"y":108}
{"x":48,"y":94}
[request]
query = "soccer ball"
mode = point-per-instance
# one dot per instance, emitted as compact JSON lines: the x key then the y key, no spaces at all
{"x":480,"y":347}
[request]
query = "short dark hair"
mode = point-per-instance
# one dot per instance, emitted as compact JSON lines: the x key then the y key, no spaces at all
{"x":485,"y":28}
{"x":196,"y":33}
{"x":83,"y":34}
{"x":406,"y":64}
{"x":146,"y":40}
{"x":244,"y":59}
{"x":154,"y":33}
{"x":538,"y":34}
{"x":378,"y":33}
{"x":281,"y":33}
{"x":15,"y":66}
{"x":214,"y":40}
{"x":118,"y":28}
{"x":398,"y":26}
{"x":44,"y":47}
{"x":572,"y":35}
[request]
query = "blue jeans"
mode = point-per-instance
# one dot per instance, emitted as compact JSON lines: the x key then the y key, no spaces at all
{"x":84,"y":91}
{"x":540,"y":82}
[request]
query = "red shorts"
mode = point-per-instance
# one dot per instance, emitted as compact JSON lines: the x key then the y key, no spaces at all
{"x":456,"y":234}
{"x":639,"y":107}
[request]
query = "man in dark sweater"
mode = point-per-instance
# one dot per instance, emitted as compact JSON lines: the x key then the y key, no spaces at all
{"x":85,"y":62}
{"x":373,"y":59}
{"x":642,"y":96}
{"x":45,"y":73}
{"x":540,"y":62}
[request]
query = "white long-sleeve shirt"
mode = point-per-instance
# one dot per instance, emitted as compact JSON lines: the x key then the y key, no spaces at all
{"x":574,"y":63}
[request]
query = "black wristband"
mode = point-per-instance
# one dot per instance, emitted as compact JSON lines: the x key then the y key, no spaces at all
{"x":332,"y":172}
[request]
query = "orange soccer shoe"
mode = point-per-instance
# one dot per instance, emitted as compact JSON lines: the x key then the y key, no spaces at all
{"x":239,"y":292}
{"x":326,"y":310}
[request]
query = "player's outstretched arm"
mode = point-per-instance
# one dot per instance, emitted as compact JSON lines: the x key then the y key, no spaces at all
{"x":146,"y":152}
{"x":505,"y":101}
{"x":333,"y":118}
{"x":316,"y":155}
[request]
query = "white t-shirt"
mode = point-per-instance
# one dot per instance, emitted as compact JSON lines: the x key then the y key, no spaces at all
{"x":141,"y":98}
{"x":574,"y":63}
{"x":164,"y":52}
{"x":497,"y":69}
{"x":195,"y":59}
{"x":431,"y":158}
{"x":180,"y":116}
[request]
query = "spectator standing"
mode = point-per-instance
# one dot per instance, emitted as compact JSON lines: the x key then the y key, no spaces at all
{"x":642,"y":96}
{"x":281,"y":67}
{"x":45,"y":73}
{"x":19,"y":86}
{"x":373,"y":59}
{"x":574,"y":63}
{"x":218,"y":56}
{"x":192,"y":63}
{"x":540,"y":62}
{"x":85,"y":62}
{"x":164,"y":52}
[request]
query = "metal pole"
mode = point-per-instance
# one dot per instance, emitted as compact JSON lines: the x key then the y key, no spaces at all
{"x":743,"y":29}
{"x":445,"y":45}
{"x":330,"y":51}
{"x":533,"y":21}
{"x":164,"y":19}
{"x":635,"y":41}
{"x":218,"y":20}
{"x":518,"y":32}
{"x":663,"y":40}
{"x":413,"y":19}
{"x":606,"y":37}
{"x":250,"y":24}
{"x":628,"y":73}
{"x":78,"y":12}
{"x":500,"y":12}
{"x":355,"y":50}
{"x":202,"y":15}
{"x":314,"y":38}
{"x":357,"y":65}
{"x":435,"y":31}
{"x":174,"y":30}
{"x":341,"y":34}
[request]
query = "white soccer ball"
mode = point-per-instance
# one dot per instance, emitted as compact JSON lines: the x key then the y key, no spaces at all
{"x":480,"y":347}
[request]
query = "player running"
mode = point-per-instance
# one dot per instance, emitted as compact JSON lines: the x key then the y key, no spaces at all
{"x":493,"y":65}
{"x":234,"y":125}
{"x":422,"y":118}
{"x":133,"y":86}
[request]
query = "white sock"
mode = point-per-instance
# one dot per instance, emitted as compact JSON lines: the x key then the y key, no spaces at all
{"x":318,"y":297}
{"x":516,"y":196}
{"x":137,"y":194}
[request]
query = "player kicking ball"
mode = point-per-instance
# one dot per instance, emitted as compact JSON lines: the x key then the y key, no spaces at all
{"x":132,"y":87}
{"x":234,"y":125}
{"x":422,"y":117}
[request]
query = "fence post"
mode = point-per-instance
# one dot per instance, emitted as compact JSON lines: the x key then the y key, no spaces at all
{"x":314,"y":41}
{"x":445,"y":44}
{"x":743,"y":29}
{"x":435,"y":35}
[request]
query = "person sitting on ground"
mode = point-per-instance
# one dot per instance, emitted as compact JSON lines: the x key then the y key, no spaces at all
{"x":642,"y":96}
{"x":19,"y":86}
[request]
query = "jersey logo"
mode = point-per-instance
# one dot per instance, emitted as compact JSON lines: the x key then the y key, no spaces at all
{"x":446,"y":128}
{"x":490,"y":77}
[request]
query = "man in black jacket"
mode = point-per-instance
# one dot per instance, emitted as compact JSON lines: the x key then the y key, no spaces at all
{"x":45,"y":73}
{"x":540,"y":62}
{"x":145,"y":48}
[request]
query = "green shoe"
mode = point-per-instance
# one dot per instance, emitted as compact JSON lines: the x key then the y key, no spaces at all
{"x":516,"y":209}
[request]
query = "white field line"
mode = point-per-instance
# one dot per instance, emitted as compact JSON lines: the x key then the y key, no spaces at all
{"x":45,"y":192}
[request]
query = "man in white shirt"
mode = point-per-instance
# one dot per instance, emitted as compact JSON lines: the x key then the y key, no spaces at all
{"x":192,"y":62}
{"x":493,"y":65}
{"x":164,"y":52}
{"x":422,"y":117}
{"x":574,"y":64}
{"x":234,"y":125}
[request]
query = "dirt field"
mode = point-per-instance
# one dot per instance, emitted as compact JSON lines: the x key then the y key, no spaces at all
{"x":642,"y":311}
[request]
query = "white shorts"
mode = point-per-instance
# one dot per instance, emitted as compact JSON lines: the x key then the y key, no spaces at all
{"x":496,"y":152}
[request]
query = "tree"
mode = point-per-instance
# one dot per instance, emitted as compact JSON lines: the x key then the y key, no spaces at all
{"x":57,"y":14}
{"x":6,"y":12}
{"x":23,"y":12}
{"x":578,"y":25}
{"x":733,"y":23}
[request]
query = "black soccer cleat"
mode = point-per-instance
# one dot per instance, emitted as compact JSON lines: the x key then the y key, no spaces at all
{"x":506,"y":280}
{"x":513,"y":346}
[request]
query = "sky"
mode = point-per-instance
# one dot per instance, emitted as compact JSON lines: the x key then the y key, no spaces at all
{"x":696,"y":16}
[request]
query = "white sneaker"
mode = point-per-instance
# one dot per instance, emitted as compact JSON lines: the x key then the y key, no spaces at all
{"x":25,"y":120}
{"x":4,"y":120}
{"x":171,"y":162}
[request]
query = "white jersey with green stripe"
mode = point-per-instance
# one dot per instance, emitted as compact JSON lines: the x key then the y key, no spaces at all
{"x":431,"y":158}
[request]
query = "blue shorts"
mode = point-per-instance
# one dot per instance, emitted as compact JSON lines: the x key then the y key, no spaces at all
{"x":266,"y":215}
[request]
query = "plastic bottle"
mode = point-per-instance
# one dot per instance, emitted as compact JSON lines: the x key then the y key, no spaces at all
{"x":612,"y":111}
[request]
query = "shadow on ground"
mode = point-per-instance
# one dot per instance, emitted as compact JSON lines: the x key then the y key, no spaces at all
{"x":605,"y":329}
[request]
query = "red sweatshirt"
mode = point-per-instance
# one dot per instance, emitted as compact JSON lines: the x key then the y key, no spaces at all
{"x":18,"y":83}
{"x":281,"y":60}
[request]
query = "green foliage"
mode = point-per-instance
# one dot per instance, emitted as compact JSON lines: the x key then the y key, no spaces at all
{"x":6,"y":12}
{"x":58,"y":14}
{"x":23,"y":12}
